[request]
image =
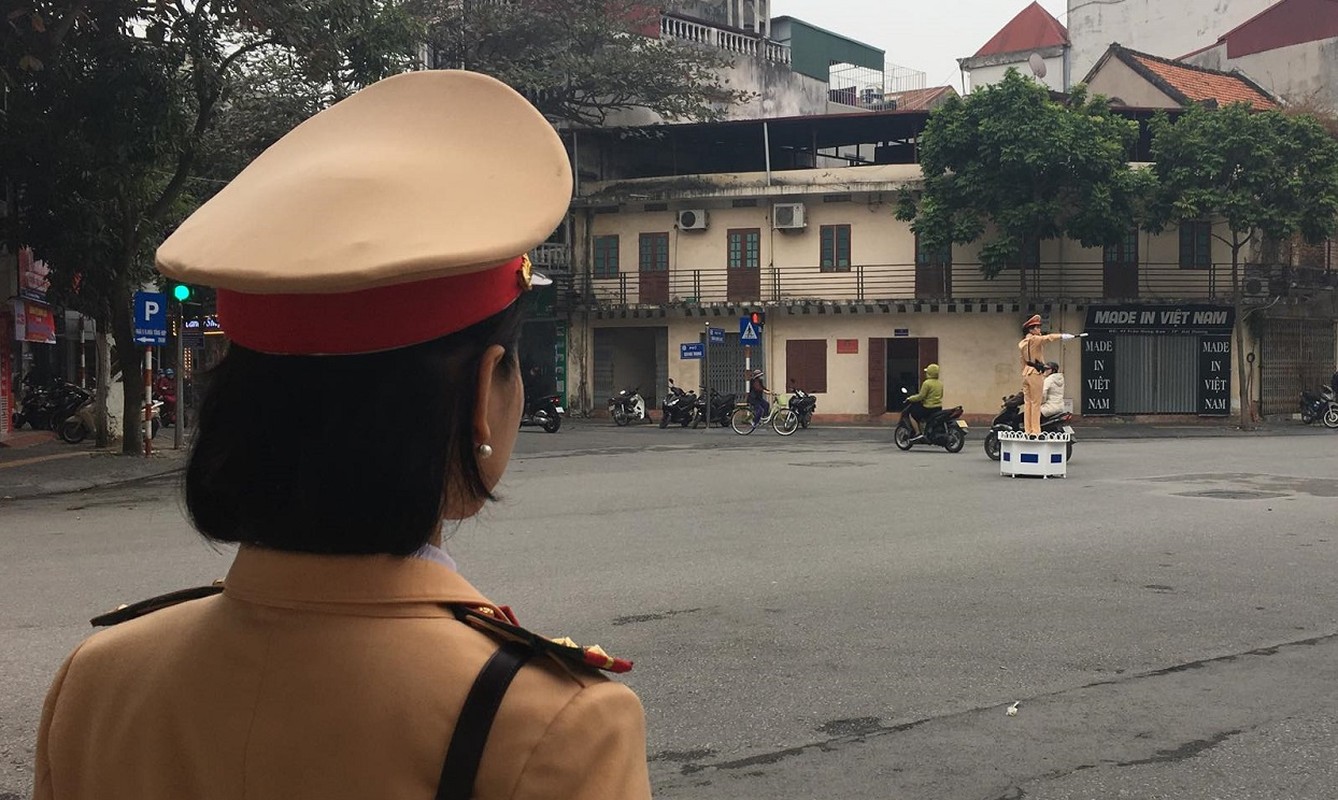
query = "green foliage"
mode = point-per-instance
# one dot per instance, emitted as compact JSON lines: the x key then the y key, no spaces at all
{"x":122,"y":115}
{"x":1265,"y":172}
{"x":579,"y":61}
{"x":1009,"y":162}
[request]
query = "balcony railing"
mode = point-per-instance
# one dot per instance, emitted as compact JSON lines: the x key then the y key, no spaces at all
{"x":901,"y":283}
{"x":744,"y":44}
{"x":552,"y":257}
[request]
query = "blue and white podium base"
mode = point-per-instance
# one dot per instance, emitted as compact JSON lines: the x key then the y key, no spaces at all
{"x":1043,"y":455}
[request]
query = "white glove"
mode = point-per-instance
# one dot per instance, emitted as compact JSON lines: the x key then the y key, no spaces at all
{"x":1067,"y":336}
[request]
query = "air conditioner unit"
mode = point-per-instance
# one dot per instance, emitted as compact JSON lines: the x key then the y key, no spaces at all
{"x":692,"y":219}
{"x":1256,"y":281}
{"x":788,"y":216}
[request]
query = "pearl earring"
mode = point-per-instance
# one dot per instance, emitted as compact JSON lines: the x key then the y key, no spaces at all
{"x":485,"y":450}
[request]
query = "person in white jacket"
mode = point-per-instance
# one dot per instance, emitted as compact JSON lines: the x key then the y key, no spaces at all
{"x":1052,"y":392}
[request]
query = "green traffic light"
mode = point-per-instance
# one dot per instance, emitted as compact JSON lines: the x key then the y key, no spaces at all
{"x":181,"y":292}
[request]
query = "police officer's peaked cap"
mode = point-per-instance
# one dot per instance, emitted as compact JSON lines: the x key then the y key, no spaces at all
{"x":395,"y":216}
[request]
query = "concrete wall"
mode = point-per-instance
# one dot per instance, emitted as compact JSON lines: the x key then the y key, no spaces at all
{"x":988,"y":76}
{"x":1169,"y":29}
{"x":1118,"y":80}
{"x":777,"y":91}
{"x":1297,"y":72}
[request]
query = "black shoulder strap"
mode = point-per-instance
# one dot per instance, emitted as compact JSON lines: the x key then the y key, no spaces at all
{"x":471,"y":731}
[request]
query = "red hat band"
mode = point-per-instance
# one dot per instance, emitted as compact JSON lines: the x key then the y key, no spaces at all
{"x":368,"y":320}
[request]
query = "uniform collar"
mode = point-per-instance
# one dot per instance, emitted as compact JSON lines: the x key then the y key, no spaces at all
{"x":306,"y":580}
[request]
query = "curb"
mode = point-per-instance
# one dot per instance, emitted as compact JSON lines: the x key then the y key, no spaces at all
{"x":78,"y":486}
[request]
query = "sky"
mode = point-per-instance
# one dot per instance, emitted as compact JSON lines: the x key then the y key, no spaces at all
{"x":927,"y":36}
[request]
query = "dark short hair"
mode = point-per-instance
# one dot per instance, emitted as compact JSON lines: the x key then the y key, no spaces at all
{"x":341,"y":454}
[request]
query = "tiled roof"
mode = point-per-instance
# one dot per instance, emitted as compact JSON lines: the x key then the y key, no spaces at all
{"x":1190,"y":84}
{"x":1032,"y":29}
{"x":922,"y":99}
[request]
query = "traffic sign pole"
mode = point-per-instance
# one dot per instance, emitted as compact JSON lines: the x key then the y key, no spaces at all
{"x":148,"y":400}
{"x":706,"y":377}
{"x":181,"y":375}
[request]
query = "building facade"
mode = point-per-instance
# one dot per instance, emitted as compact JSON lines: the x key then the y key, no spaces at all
{"x":1165,"y":29}
{"x":855,"y":308}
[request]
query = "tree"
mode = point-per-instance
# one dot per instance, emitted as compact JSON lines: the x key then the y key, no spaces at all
{"x":1011,"y":162}
{"x":110,"y":110}
{"x":579,"y":61}
{"x":1252,"y":173}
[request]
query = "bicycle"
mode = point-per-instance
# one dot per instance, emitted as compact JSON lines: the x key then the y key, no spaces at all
{"x":782,"y":419}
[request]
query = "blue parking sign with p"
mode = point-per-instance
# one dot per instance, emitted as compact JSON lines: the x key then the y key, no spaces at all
{"x":150,"y":318}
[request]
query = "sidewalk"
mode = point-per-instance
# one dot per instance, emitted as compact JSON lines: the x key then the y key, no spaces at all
{"x":37,"y":463}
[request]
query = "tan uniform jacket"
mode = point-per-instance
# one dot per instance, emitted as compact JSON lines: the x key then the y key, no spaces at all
{"x":1032,"y":348}
{"x":323,"y":677}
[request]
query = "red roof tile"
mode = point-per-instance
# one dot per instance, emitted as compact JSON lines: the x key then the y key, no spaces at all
{"x":1032,"y":29}
{"x":1197,"y":84}
{"x":922,"y":99}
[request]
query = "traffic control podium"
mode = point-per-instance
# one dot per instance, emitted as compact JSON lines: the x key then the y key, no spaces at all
{"x":1042,"y":455}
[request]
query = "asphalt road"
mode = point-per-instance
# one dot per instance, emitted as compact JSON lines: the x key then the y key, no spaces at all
{"x":823,"y":616}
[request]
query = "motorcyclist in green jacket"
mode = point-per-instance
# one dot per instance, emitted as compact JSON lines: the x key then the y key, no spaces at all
{"x":929,"y":400}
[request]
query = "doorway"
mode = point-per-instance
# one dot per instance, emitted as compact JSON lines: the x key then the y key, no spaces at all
{"x":896,"y":363}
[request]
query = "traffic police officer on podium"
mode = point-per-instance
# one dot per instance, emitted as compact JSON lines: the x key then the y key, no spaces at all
{"x":371,"y":258}
{"x":1032,"y":351}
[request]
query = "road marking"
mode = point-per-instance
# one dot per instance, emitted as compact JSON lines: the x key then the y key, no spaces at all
{"x":40,"y":459}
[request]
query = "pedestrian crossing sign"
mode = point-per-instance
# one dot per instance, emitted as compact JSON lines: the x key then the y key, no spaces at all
{"x":747,"y":331}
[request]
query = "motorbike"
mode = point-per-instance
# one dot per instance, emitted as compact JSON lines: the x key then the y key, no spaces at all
{"x":165,"y":390}
{"x":721,"y":408}
{"x":627,"y":406}
{"x":803,"y":404}
{"x":1010,"y":419}
{"x":79,"y":425}
{"x":678,"y":406}
{"x":47,"y":404}
{"x":945,"y":428}
{"x":1321,"y":406}
{"x":544,"y":411}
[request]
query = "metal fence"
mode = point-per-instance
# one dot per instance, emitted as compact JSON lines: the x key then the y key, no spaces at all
{"x":866,"y":283}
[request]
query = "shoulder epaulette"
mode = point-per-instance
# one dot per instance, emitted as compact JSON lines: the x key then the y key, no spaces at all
{"x":563,"y":649}
{"x":123,"y":613}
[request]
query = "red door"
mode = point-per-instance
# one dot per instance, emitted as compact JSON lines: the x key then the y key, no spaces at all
{"x":653,"y":269}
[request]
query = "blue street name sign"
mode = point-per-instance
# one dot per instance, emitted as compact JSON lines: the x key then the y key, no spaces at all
{"x":748,"y":331}
{"x":716,"y":335}
{"x":150,"y":318}
{"x":692,"y":350}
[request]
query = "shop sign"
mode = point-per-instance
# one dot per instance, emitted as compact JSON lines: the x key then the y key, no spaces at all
{"x":34,"y":322}
{"x":1098,"y":375}
{"x":847,"y":346}
{"x":34,"y":276}
{"x":1183,"y":319}
{"x":1215,"y":376}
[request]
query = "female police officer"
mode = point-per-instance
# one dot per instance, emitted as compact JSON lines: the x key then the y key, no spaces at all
{"x":369,"y":260}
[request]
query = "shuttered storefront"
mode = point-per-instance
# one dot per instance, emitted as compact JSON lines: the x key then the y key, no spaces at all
{"x":1157,"y":360}
{"x":1296,"y":354}
{"x":1156,"y":374}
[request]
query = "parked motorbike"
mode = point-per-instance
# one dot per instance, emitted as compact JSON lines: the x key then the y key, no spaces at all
{"x":34,"y":408}
{"x":544,"y":411}
{"x":84,"y":422}
{"x":1010,"y":419}
{"x":1321,"y":406}
{"x":803,"y":404}
{"x":945,"y":428}
{"x":46,"y":404}
{"x":678,"y":406}
{"x":627,"y":406}
{"x":721,"y":408}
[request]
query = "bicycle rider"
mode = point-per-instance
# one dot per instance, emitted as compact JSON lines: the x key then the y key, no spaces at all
{"x":757,"y":395}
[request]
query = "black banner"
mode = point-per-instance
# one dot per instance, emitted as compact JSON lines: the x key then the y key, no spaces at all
{"x":1188,"y":319}
{"x":1215,"y":376}
{"x":1098,"y":375}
